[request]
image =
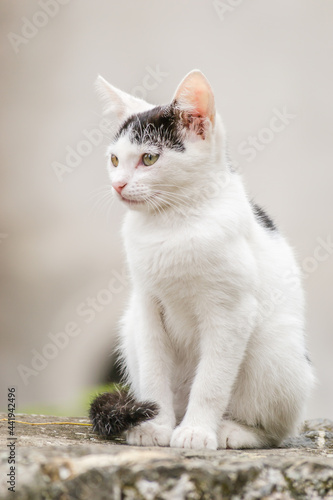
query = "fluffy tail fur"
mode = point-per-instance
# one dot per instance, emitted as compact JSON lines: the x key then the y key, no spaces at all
{"x":112,"y":413}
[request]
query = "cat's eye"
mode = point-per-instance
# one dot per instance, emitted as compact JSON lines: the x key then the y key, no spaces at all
{"x":114,"y":160}
{"x":149,"y":159}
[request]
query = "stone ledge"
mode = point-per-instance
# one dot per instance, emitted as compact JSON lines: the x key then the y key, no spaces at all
{"x":69,"y":462}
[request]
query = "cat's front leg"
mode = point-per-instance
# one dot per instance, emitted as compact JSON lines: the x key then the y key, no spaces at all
{"x":223,"y":338}
{"x":147,"y":357}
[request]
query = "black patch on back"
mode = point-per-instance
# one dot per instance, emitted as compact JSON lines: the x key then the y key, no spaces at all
{"x":263,"y":218}
{"x":160,"y":126}
{"x":307,"y":357}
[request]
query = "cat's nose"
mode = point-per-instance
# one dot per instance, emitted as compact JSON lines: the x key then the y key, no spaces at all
{"x":119,"y":186}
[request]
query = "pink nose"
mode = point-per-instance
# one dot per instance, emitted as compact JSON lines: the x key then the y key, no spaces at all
{"x":119,"y":186}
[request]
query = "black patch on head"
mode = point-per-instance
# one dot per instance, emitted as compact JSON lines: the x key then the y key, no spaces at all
{"x":263,"y":218}
{"x":160,"y":126}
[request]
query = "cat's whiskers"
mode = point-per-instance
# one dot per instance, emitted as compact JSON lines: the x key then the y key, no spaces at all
{"x":181,"y":193}
{"x":150,"y":201}
{"x":161,"y":209}
{"x":170,"y":202}
{"x":183,"y":189}
{"x":185,"y":197}
{"x":102,"y":198}
{"x":100,"y":190}
{"x":153,"y":202}
{"x":177,"y":198}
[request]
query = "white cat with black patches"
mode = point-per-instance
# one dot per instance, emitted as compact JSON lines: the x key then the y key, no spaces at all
{"x":213,"y":335}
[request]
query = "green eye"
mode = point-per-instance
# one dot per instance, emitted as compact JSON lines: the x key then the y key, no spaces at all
{"x":149,"y":159}
{"x":114,"y":160}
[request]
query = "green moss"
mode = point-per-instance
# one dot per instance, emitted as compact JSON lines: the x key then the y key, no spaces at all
{"x":77,"y":408}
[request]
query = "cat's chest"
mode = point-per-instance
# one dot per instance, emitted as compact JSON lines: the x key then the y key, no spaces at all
{"x":190,"y":264}
{"x":166,"y":256}
{"x":160,"y":256}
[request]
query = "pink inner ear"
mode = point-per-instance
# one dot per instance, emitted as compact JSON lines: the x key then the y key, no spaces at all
{"x":195,"y":94}
{"x":201,"y":102}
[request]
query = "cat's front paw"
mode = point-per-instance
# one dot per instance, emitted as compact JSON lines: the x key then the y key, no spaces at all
{"x":149,"y":434}
{"x":193,"y":437}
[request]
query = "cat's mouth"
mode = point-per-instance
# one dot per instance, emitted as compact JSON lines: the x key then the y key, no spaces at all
{"x":131,"y":202}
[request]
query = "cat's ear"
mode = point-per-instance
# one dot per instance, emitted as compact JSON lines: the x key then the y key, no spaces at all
{"x":194,"y":95}
{"x":118,"y":102}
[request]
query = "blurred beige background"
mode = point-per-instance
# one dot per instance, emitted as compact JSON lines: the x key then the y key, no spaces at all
{"x":61,"y":254}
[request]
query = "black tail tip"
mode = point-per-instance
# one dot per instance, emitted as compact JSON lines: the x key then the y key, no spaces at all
{"x":112,"y":413}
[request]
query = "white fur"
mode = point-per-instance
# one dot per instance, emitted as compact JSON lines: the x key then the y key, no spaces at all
{"x":214,"y":331}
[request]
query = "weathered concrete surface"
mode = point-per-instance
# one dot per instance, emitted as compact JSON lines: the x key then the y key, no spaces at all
{"x":68,"y":462}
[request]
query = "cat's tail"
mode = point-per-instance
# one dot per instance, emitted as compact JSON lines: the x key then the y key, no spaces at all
{"x":112,"y":413}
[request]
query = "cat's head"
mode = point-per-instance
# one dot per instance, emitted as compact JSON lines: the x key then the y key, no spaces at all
{"x":160,"y":156}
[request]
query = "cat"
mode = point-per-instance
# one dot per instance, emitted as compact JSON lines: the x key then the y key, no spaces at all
{"x":212,"y":343}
